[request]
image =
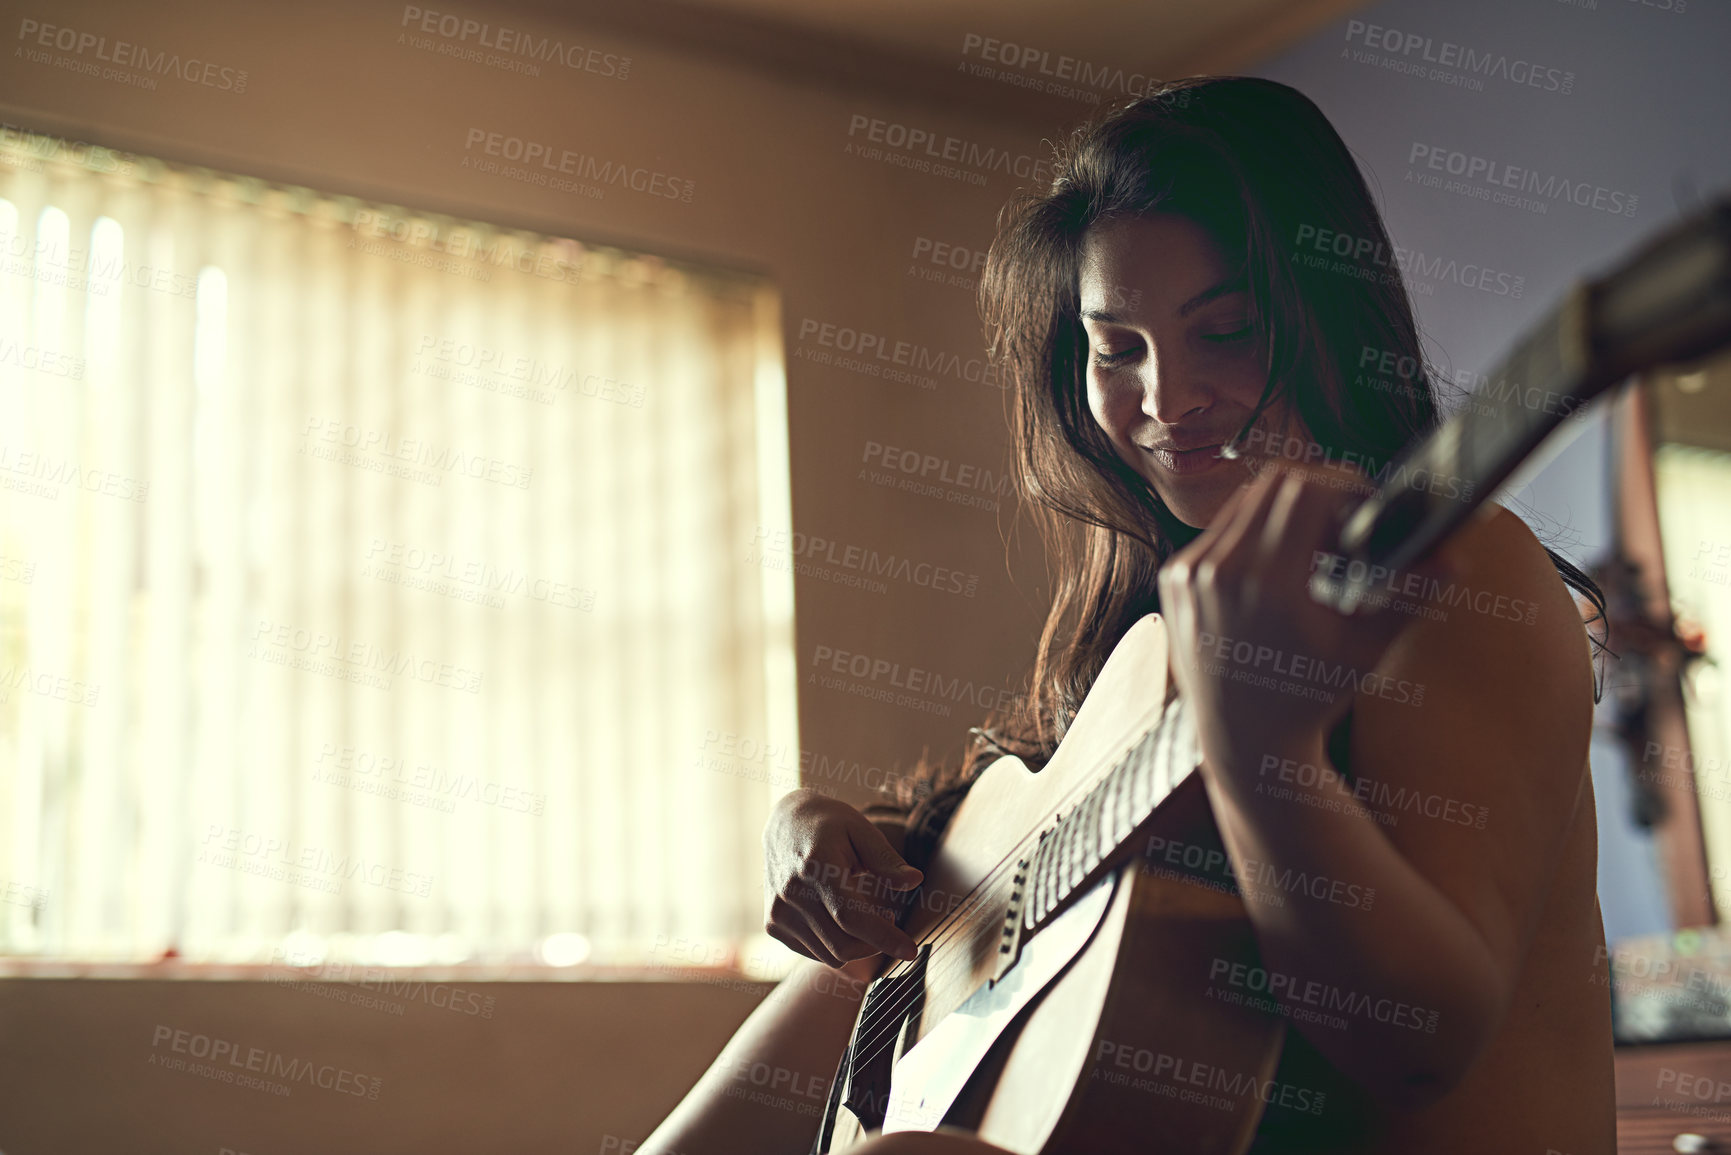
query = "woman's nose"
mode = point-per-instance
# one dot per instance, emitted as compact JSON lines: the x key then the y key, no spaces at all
{"x":1172,"y":389}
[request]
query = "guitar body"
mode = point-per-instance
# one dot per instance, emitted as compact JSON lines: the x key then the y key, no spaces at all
{"x":1103,"y":1034}
{"x":1126,"y":1051}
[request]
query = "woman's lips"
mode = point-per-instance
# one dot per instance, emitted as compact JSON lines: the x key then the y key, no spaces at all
{"x":1190,"y":461}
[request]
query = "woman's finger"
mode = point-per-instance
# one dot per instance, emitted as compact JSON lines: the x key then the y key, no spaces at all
{"x":880,"y":934}
{"x":799,"y":946}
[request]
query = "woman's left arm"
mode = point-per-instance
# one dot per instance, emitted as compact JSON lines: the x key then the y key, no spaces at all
{"x":1471,"y":713}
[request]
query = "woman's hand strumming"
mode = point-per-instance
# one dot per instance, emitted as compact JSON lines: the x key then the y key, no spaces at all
{"x":833,"y":883}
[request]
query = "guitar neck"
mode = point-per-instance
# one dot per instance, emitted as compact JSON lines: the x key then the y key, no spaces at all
{"x":1669,"y":303}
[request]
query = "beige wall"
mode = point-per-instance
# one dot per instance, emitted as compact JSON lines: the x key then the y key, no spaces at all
{"x":89,"y":1066}
{"x":333,"y":101}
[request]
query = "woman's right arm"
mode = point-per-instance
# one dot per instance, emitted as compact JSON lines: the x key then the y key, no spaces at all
{"x":766,"y":1092}
{"x":834,"y":881}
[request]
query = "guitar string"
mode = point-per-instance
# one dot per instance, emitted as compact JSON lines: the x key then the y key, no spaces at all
{"x":890,"y":1017}
{"x":1162,"y":750}
{"x":1147,"y":745}
{"x":889,"y":1021}
{"x":968,"y":914}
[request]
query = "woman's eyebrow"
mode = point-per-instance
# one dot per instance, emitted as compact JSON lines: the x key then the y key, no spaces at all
{"x":1224,"y":288}
{"x":1231,"y":285}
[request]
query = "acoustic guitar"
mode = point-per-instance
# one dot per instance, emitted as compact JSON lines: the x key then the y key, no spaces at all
{"x":1062,"y":960}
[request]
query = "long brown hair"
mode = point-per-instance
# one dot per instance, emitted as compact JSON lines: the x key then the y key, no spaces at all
{"x":1259,"y":166}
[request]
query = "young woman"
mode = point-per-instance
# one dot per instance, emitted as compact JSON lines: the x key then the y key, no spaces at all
{"x":1172,"y":338}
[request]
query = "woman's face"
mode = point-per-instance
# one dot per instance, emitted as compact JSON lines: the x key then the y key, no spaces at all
{"x":1173,"y":366}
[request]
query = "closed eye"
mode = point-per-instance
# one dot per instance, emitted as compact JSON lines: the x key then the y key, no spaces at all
{"x":1102,"y":357}
{"x":1229,"y":338}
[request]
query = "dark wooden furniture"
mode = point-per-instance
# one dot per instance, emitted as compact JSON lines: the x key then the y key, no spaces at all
{"x":1670,"y":1090}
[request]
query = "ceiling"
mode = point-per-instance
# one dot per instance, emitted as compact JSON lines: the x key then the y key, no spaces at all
{"x":1167,"y":38}
{"x":916,"y":47}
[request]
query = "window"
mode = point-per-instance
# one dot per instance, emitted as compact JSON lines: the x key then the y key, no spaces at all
{"x":372,"y":582}
{"x":1693,"y":486}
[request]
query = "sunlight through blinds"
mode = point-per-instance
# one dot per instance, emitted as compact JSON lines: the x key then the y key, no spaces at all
{"x":373,"y":584}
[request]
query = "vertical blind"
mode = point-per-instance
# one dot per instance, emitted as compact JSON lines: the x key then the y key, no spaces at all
{"x":372,"y":583}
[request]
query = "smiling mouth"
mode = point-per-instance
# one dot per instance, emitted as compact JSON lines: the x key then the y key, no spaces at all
{"x":1188,"y":461}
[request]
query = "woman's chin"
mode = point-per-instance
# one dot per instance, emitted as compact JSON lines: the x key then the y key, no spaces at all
{"x":1198,"y":503}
